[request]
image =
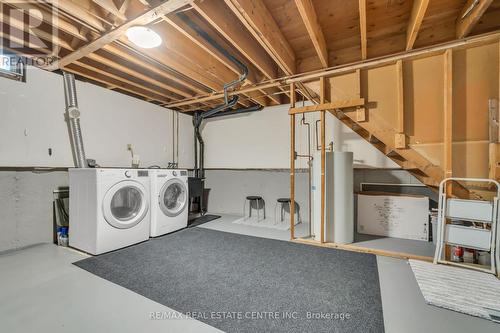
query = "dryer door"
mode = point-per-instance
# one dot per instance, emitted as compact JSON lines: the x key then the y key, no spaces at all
{"x":125,"y":204}
{"x":173,"y":197}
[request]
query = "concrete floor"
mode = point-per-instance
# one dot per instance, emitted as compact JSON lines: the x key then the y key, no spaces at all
{"x":42,"y":291}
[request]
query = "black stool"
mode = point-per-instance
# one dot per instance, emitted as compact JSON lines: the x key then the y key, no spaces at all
{"x":284,"y":202}
{"x":254,"y":202}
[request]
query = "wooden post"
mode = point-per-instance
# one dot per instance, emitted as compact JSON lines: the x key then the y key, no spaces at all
{"x":494,"y":132}
{"x":494,"y":148}
{"x":322,"y":84}
{"x":400,"y":137}
{"x":360,"y":110}
{"x":448,"y":114}
{"x":448,"y":129}
{"x":292,"y":162}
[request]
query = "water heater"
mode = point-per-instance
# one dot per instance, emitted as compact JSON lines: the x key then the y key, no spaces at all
{"x":339,"y":197}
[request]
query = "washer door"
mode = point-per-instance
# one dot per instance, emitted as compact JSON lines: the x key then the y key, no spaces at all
{"x":173,"y":197}
{"x":125,"y":204}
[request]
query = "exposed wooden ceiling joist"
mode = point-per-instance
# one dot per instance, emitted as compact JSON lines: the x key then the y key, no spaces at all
{"x":224,"y":21}
{"x":116,"y":51}
{"x":110,"y":36}
{"x":110,"y":7}
{"x":308,"y":14}
{"x":470,"y":15}
{"x":220,"y":17}
{"x":416,"y":18}
{"x":269,"y":36}
{"x":259,"y":21}
{"x":307,"y":77}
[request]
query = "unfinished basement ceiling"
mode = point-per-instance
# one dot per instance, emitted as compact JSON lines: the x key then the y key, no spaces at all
{"x":274,"y":38}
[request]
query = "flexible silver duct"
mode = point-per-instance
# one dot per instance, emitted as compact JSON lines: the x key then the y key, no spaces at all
{"x":73,"y":114}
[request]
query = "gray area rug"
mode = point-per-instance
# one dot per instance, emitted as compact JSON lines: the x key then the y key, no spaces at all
{"x":240,"y":283}
{"x":459,"y":289}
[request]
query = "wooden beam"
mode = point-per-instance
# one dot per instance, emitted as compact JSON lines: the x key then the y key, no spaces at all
{"x":310,"y":19}
{"x":110,"y":7}
{"x":400,"y":137}
{"x":70,"y":29}
{"x":448,"y":114}
{"x":310,"y":76}
{"x":362,"y":28}
{"x":470,"y":15}
{"x":416,"y":18}
{"x":261,"y":24}
{"x":322,"y":98}
{"x":142,"y":19}
{"x":221,"y":18}
{"x":196,"y":38}
{"x":80,"y":13}
{"x":292,"y":162}
{"x":106,"y":80}
{"x":362,"y":249}
{"x":329,"y":106}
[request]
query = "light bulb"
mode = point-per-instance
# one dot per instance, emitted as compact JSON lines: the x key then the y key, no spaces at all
{"x":143,"y":37}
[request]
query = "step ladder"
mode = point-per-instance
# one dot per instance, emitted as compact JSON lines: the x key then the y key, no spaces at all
{"x":482,"y":235}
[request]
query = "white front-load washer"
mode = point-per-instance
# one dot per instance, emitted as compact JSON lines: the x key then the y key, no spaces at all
{"x":169,"y":200}
{"x":108,"y":208}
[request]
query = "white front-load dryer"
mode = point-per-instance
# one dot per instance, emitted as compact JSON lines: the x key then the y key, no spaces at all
{"x":169,"y":200}
{"x":108,"y":208}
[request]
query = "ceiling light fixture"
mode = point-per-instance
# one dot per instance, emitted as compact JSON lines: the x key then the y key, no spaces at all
{"x":143,"y":37}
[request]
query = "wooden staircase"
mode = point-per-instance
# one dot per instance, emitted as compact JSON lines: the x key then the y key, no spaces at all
{"x":383,"y":138}
{"x":388,"y":141}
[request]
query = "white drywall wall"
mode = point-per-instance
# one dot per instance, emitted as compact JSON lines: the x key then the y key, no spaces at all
{"x":32,"y":121}
{"x":262,"y":140}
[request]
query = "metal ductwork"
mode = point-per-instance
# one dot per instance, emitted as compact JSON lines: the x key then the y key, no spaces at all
{"x":197,"y":182}
{"x":73,"y":118}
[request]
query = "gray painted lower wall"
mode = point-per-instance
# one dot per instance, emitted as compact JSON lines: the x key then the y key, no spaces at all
{"x":230,"y":187}
{"x":26,"y":197}
{"x":26,"y":207}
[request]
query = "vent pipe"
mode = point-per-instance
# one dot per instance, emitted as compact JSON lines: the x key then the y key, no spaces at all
{"x":73,"y":118}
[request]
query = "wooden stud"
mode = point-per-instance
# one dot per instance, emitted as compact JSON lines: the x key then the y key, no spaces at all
{"x":494,"y":145}
{"x":322,"y":83}
{"x":493,"y":113}
{"x":448,"y":114}
{"x":470,"y":15}
{"x":310,"y":19}
{"x":292,"y":163}
{"x":328,"y":106}
{"x":112,"y":35}
{"x":360,"y":110}
{"x":362,"y":28}
{"x":448,"y":129}
{"x":400,"y":137}
{"x":416,"y":18}
{"x":494,"y":161}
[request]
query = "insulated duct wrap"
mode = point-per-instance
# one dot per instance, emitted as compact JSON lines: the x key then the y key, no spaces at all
{"x":73,"y":115}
